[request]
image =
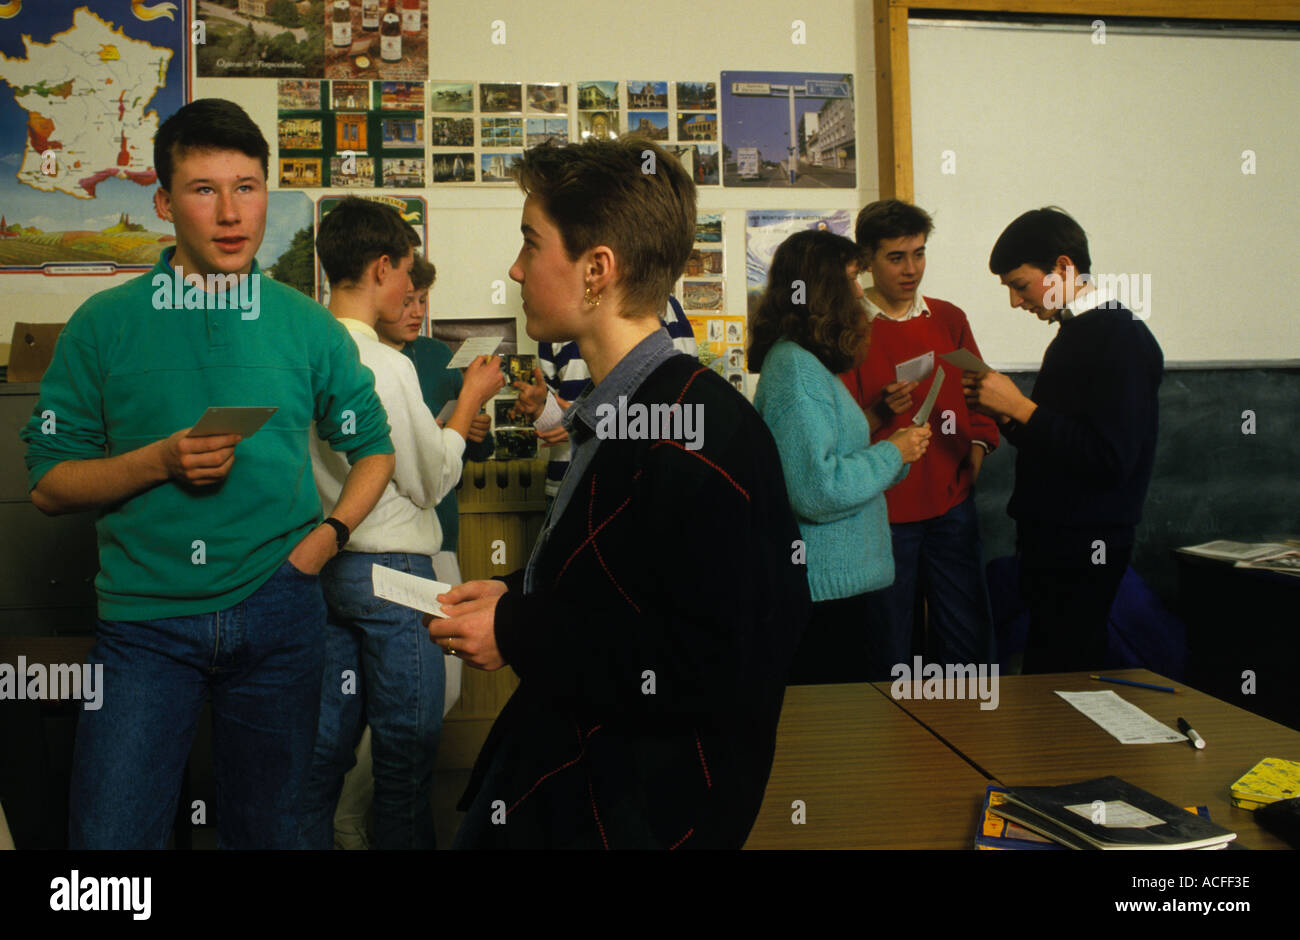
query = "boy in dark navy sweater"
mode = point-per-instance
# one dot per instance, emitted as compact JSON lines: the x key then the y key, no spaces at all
{"x":1085,"y":439}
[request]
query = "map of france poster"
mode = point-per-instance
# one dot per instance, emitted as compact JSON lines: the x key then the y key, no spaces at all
{"x":83,"y":88}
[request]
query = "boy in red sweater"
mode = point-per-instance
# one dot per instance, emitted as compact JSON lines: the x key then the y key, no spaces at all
{"x":932,"y":516}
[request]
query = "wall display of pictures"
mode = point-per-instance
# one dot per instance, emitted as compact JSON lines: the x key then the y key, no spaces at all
{"x":413,"y":209}
{"x":351,"y":134}
{"x":765,"y":229}
{"x":514,"y":433}
{"x":758,"y":114}
{"x":701,"y":292}
{"x":364,"y":40}
{"x":487,"y":118}
{"x":258,"y":38}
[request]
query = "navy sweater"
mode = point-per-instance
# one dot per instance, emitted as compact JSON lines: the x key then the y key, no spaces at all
{"x":1084,"y":458}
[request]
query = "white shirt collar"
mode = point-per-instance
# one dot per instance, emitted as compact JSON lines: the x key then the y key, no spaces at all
{"x":917,"y":309}
{"x":1089,"y":301}
{"x":357,"y":326}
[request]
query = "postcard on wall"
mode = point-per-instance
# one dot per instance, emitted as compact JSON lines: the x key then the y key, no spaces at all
{"x":298,"y":94}
{"x":697,"y":96}
{"x":398,"y":133}
{"x":646,"y":96}
{"x":553,"y":131}
{"x":765,"y":229}
{"x":598,"y":125}
{"x":401,"y":96}
{"x":598,"y":96}
{"x":495,"y":167}
{"x":300,"y":172}
{"x":453,"y":167}
{"x":356,"y":172}
{"x":700,"y":161}
{"x":500,"y":97}
{"x":451,"y":132}
{"x":455,"y":332}
{"x":702,"y":295}
{"x":501,"y":132}
{"x":551,"y":98}
{"x":651,"y":124}
{"x":758,"y":112}
{"x":350,"y":96}
{"x":299,"y":133}
{"x":451,"y":97}
{"x":403,"y":172}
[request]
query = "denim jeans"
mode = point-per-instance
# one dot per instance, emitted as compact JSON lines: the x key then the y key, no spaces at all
{"x":380,"y":668}
{"x":945,"y":553}
{"x":260,"y":661}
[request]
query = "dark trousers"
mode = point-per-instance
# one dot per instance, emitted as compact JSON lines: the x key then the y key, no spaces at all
{"x":844,"y":642}
{"x":1069,"y":613}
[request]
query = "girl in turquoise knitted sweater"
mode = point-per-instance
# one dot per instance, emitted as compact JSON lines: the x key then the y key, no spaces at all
{"x":810,"y":326}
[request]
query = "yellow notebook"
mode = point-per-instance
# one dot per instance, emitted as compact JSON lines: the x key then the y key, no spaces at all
{"x":1270,"y":780}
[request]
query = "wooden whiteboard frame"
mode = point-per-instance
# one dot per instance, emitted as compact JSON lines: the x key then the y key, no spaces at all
{"x":893,"y":74}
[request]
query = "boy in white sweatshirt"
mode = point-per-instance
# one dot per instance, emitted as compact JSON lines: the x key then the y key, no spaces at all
{"x":380,"y":667}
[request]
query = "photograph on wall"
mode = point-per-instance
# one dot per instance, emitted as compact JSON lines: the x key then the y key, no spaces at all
{"x":501,"y":132}
{"x":355,"y":173}
{"x":706,"y":165}
{"x":350,"y":96}
{"x":455,"y":332}
{"x":500,"y":96}
{"x":765,"y":229}
{"x":702,"y":295}
{"x":598,"y":125}
{"x":83,"y":88}
{"x":288,"y":251}
{"x":351,"y":131}
{"x":257,"y":38}
{"x":496,"y":166}
{"x":695,"y":126}
{"x":704,"y":261}
{"x":452,"y":167}
{"x":708,"y":228}
{"x":300,"y":172}
{"x":397,"y":133}
{"x":412,"y":208}
{"x":792,"y":129}
{"x":697,"y":96}
{"x":647,"y":96}
{"x":547,"y":131}
{"x":451,"y":96}
{"x":598,"y":96}
{"x":370,"y":41}
{"x":299,"y":133}
{"x":403,"y":172}
{"x":298,"y":94}
{"x":549,"y":98}
{"x":451,"y":132}
{"x":401,"y":96}
{"x":715,"y":339}
{"x":651,"y":124}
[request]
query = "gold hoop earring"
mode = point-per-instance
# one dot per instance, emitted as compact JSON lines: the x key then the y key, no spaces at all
{"x":588,"y":298}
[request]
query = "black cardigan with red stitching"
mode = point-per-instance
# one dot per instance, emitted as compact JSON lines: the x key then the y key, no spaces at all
{"x":653,"y":652}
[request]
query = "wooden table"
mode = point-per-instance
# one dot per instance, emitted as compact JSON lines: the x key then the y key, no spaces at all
{"x":869,"y":776}
{"x":1035,"y":738}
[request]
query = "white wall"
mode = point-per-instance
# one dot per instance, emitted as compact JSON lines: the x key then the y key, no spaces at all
{"x":1141,"y":140}
{"x":474,"y":232}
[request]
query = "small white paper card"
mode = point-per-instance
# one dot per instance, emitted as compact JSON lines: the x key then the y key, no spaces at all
{"x":914,"y":370}
{"x":966,"y":360}
{"x":447,"y":411}
{"x":1116,"y":814}
{"x":927,"y":406}
{"x":1121,"y":718}
{"x":408,"y":590}
{"x":241,"y":421}
{"x":472,"y":348}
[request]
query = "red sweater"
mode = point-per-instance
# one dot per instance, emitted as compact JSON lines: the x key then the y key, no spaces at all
{"x":937,"y":482}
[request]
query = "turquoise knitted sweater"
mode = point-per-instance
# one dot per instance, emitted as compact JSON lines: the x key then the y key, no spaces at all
{"x":835,"y":476}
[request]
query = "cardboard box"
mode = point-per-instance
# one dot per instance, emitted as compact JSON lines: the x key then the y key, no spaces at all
{"x":31,"y":350}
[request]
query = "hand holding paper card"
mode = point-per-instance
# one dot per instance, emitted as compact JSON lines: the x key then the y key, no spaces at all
{"x":241,"y":421}
{"x":914,"y":370}
{"x":927,"y":406}
{"x":966,"y":360}
{"x":472,"y":348}
{"x":408,"y":590}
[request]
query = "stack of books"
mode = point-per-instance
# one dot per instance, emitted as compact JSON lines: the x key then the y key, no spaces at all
{"x":1107,"y":813}
{"x":1270,"y":780}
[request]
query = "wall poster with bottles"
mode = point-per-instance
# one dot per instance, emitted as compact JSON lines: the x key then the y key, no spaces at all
{"x":377,"y":39}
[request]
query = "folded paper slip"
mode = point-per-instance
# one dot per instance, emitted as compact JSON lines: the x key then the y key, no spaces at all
{"x":1270,"y":780}
{"x":1110,"y":813}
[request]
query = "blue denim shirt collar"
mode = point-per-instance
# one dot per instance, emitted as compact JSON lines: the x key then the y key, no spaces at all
{"x":622,"y":381}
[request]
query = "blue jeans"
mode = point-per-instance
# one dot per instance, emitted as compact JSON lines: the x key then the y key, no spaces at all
{"x":381,"y":668}
{"x":260,"y":663}
{"x":945,"y":552}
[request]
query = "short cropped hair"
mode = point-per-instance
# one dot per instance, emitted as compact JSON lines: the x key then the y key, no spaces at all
{"x":356,"y":232}
{"x":423,"y":273}
{"x":629,"y":194}
{"x":809,"y":301}
{"x":1038,"y":238}
{"x":206,"y":124}
{"x":889,"y":218}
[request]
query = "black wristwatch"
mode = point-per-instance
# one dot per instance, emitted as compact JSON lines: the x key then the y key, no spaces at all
{"x":340,"y":530}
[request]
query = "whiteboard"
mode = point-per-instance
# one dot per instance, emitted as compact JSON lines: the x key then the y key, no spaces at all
{"x":1140,"y":138}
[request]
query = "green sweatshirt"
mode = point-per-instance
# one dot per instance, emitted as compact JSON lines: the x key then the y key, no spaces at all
{"x":132,"y":366}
